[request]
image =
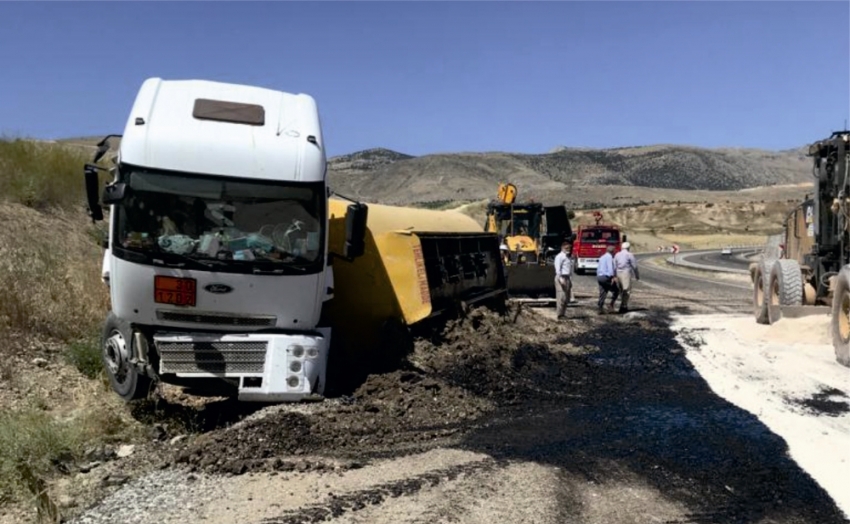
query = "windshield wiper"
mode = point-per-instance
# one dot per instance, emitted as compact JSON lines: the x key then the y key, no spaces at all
{"x":276,"y":271}
{"x":186,"y":258}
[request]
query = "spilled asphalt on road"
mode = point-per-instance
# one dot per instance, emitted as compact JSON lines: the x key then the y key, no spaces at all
{"x":597,"y":419}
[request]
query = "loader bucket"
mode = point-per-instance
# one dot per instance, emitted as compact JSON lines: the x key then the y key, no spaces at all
{"x":530,"y":280}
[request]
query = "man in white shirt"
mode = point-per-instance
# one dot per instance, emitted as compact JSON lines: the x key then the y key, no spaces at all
{"x":563,"y":279}
{"x":626,"y":266}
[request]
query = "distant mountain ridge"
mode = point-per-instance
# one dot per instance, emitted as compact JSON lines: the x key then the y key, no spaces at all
{"x":633,"y":173}
{"x":383,"y":175}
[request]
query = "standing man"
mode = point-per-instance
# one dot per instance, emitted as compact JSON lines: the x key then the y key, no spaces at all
{"x":626,"y":266}
{"x":563,"y":279}
{"x":572,"y":268}
{"x":606,"y":277}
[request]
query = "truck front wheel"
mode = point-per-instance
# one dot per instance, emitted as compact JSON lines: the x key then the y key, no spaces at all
{"x":840,"y":320}
{"x":124,"y":378}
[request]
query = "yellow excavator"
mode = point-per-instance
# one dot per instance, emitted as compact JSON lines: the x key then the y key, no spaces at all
{"x":530,"y":235}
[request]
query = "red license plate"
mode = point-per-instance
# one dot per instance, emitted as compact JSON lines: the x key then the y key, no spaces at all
{"x":175,"y":291}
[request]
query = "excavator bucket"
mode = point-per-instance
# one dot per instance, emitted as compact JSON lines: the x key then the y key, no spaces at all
{"x":507,"y":193}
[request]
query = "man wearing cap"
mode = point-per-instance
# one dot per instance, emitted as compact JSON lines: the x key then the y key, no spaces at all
{"x":626,"y":266}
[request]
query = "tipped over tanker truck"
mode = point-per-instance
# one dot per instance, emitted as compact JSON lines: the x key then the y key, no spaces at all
{"x":232,"y":266}
{"x":809,"y":273}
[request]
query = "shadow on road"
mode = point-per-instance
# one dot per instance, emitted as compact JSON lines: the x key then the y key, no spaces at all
{"x":639,"y":409}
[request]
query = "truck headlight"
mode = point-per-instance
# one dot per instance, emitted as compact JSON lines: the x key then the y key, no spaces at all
{"x":297,"y":351}
{"x":293,"y":382}
{"x":312,"y":352}
{"x":295,"y":366}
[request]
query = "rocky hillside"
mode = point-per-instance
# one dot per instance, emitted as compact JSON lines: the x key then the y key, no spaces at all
{"x":391,"y":177}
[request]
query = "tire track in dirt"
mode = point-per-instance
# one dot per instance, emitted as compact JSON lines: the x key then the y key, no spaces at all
{"x":377,"y":495}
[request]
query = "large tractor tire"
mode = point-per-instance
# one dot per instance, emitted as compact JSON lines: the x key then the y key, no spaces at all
{"x":124,"y":378}
{"x":786,"y":287}
{"x":840,"y":321}
{"x":760,"y":279}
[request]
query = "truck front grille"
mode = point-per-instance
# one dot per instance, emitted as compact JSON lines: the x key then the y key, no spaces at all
{"x":216,"y":319}
{"x":211,"y":357}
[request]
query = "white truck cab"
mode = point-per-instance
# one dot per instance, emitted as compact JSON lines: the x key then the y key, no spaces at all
{"x":217,"y":258}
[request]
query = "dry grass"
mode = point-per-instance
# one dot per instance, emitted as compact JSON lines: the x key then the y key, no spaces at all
{"x":51,"y":408}
{"x":42,"y":175}
{"x":705,"y":218}
{"x":35,"y":443}
{"x":50,"y":273}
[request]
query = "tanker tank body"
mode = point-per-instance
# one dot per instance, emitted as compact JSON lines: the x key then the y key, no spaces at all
{"x":416,"y":264}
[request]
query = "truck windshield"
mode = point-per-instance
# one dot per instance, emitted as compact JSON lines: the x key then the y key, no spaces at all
{"x":239,"y":225}
{"x":607,"y":236}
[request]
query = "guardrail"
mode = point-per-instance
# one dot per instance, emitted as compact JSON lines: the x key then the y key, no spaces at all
{"x":718,"y":248}
{"x":679,"y":259}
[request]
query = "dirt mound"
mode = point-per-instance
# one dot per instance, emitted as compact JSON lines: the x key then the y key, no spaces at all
{"x":507,"y":359}
{"x":457,"y":374}
{"x":399,"y":408}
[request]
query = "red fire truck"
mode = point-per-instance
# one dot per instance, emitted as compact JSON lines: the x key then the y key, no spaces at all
{"x":591,"y":241}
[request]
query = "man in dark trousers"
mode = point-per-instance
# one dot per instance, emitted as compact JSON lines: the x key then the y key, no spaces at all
{"x":606,"y":277}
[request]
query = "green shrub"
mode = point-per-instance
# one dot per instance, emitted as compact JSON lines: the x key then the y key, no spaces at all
{"x":30,"y":442}
{"x":84,"y":354}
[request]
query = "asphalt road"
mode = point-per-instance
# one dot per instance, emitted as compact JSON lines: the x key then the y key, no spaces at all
{"x":714,"y":258}
{"x":688,"y":292}
{"x":671,"y":289}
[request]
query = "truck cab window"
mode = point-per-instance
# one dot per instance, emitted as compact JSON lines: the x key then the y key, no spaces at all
{"x":244,"y":222}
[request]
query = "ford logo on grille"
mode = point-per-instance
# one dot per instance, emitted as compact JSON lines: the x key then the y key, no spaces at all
{"x":218,"y":289}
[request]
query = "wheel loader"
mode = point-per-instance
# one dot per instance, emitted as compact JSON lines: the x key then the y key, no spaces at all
{"x":531,"y":236}
{"x":809,"y":273}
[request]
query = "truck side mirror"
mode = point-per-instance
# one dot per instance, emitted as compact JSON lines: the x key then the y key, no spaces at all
{"x":355,"y":230}
{"x":114,"y":193}
{"x":92,"y":181}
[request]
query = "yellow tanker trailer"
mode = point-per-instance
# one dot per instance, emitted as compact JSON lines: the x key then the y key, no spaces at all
{"x":416,"y":264}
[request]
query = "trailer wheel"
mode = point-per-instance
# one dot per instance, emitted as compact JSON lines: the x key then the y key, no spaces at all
{"x":786,"y":287}
{"x":760,"y":278}
{"x":840,"y":321}
{"x":125,"y":379}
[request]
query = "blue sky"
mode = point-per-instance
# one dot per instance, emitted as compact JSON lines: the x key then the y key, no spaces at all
{"x":429,"y":77}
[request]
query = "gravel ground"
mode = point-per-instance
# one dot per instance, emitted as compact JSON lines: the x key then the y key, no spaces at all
{"x":596,"y":419}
